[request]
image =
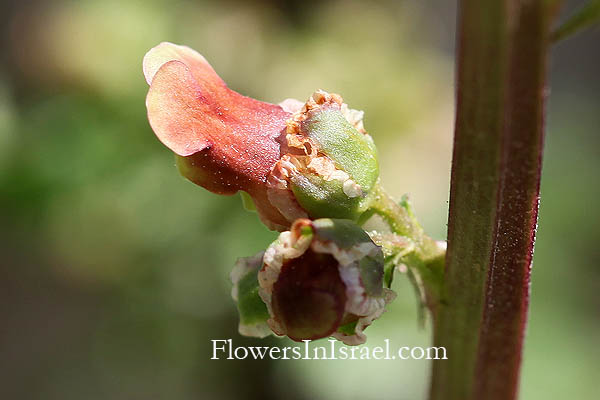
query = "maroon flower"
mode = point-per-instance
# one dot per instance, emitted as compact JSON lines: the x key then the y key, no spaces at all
{"x":295,"y":160}
{"x":323,"y":278}
{"x":224,"y":142}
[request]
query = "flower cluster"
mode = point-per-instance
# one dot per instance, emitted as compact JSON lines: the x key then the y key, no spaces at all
{"x":321,"y":278}
{"x":311,"y":172}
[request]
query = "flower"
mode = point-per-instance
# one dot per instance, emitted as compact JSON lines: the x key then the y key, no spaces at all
{"x":323,"y":278}
{"x":295,"y":160}
{"x":224,"y":142}
{"x":311,"y":171}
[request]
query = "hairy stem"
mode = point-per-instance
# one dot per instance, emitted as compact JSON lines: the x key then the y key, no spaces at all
{"x":428,"y":257}
{"x":501,"y":68}
{"x":402,"y":221}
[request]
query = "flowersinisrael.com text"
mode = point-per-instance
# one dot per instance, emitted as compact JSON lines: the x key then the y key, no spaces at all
{"x":224,"y":349}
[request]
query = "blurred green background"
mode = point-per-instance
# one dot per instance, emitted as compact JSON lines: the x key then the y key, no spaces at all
{"x":114,"y":271}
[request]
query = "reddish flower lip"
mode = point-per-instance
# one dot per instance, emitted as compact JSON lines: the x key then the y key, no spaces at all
{"x":191,"y":111}
{"x":225,"y":142}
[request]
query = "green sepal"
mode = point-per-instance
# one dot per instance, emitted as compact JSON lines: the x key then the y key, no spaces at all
{"x":250,"y":306}
{"x":348,"y":329}
{"x":344,"y":233}
{"x":252,"y":310}
{"x":247,"y":201}
{"x":389,"y":266}
{"x":371,"y":273}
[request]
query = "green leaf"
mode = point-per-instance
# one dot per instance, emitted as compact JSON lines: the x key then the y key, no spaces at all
{"x":587,"y":16}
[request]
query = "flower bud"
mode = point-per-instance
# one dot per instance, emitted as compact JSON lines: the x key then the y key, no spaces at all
{"x":328,"y":166}
{"x":323,"y":278}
